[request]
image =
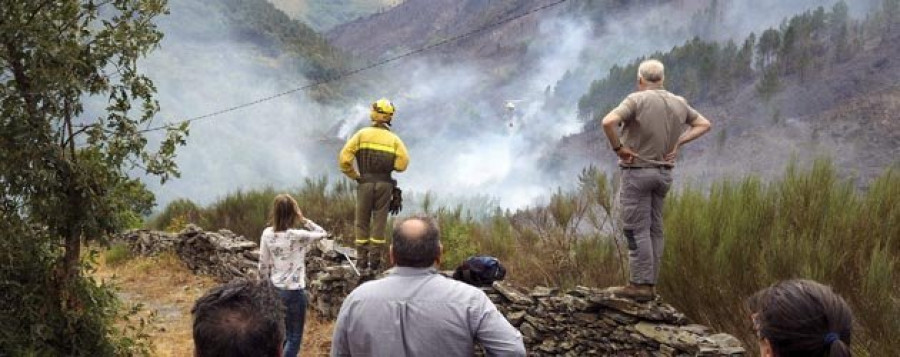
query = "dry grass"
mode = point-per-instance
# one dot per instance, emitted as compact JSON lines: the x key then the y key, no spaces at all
{"x":317,"y":336}
{"x":167,"y":290}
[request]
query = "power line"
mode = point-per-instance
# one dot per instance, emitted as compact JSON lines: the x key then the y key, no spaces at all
{"x":360,"y":69}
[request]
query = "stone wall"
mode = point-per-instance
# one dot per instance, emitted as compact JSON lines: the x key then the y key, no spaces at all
{"x":578,"y":322}
{"x":223,"y":254}
{"x":590,"y":321}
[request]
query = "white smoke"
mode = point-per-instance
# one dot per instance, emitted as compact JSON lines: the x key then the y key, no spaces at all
{"x":452,"y":116}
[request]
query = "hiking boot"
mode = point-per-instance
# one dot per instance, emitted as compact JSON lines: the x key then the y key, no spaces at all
{"x":375,"y":266}
{"x":362,"y":266}
{"x":636,"y":292}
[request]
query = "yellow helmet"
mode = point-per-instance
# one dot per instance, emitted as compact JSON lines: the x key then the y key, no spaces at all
{"x":382,"y":111}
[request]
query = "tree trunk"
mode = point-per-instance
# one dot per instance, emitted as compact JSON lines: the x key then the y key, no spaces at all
{"x":71,"y":260}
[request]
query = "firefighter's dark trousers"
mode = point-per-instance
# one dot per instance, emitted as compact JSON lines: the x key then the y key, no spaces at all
{"x":372,"y":202}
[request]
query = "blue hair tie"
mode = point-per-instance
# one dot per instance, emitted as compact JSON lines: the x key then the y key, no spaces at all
{"x":830,"y":338}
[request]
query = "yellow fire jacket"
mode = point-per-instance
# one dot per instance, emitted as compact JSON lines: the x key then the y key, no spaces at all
{"x":377,"y":151}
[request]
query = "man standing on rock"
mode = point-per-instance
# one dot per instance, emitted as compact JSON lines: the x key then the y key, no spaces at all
{"x":416,"y":311}
{"x":653,"y":129}
{"x":378,"y":152}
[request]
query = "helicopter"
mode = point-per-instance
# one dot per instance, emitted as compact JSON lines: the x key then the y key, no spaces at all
{"x":510,"y":117}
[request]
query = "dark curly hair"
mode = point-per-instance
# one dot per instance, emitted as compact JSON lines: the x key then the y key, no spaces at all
{"x":240,"y":318}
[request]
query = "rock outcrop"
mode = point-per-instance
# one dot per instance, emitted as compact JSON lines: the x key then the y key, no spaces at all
{"x":589,"y":321}
{"x":578,"y":322}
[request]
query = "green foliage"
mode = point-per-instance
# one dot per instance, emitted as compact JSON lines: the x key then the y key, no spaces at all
{"x":708,"y":71}
{"x":891,"y":13}
{"x":742,"y":236}
{"x":769,"y":83}
{"x":41,"y":316}
{"x":722,"y":244}
{"x":456,"y":233}
{"x":324,"y":15}
{"x":767,"y":48}
{"x":177,"y":214}
{"x":247,"y":212}
{"x":65,"y":175}
{"x":244,"y":212}
{"x":117,"y":254}
{"x":314,"y":57}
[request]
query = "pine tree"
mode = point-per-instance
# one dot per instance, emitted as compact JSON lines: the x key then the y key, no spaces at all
{"x":891,"y":10}
{"x":767,"y":48}
{"x":839,"y":28}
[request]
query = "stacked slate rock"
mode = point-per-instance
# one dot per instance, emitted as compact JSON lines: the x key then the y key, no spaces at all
{"x":330,"y":277}
{"x":226,"y":256}
{"x":223,"y":254}
{"x":145,"y":242}
{"x":579,"y":322}
{"x":589,"y":321}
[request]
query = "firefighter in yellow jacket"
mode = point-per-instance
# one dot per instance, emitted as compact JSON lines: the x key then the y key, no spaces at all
{"x":378,"y":152}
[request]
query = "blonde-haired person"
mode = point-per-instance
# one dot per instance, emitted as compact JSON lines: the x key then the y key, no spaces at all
{"x":282,"y":256}
{"x":799,"y":318}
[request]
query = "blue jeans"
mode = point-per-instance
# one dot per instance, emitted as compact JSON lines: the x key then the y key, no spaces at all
{"x":294,"y":316}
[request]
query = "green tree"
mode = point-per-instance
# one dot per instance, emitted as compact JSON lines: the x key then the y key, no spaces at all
{"x":767,"y":47}
{"x":769,"y":83}
{"x":64,"y":172}
{"x":839,"y":25}
{"x":744,"y":64}
{"x":891,"y":10}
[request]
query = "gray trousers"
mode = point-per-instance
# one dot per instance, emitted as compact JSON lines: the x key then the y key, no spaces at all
{"x":642,"y":194}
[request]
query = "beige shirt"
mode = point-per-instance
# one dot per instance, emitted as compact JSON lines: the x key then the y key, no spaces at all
{"x":653,"y":120}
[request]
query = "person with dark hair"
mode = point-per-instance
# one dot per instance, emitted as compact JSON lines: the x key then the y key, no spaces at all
{"x":800,"y":318}
{"x":282,"y":260}
{"x":240,"y":319}
{"x":415,"y":311}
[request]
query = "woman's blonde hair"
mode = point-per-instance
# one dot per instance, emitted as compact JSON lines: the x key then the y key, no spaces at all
{"x":285,"y":213}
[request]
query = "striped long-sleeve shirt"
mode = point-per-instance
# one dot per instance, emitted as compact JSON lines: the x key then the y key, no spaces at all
{"x":282,"y":255}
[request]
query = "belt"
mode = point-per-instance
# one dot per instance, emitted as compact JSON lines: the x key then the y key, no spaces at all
{"x":372,"y":178}
{"x":645,"y":167}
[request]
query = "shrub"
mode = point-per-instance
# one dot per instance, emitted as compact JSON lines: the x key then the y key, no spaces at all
{"x":246,"y":212}
{"x":722,"y":244}
{"x":41,"y":317}
{"x":742,"y":236}
{"x":176,"y":215}
{"x":116,"y":254}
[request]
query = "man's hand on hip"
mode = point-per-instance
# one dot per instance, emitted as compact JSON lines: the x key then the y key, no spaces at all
{"x":626,"y":156}
{"x":670,"y":157}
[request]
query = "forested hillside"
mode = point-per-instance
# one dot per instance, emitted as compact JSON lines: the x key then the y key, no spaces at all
{"x":259,"y":21}
{"x":822,"y":84}
{"x":417,"y":23}
{"x":706,"y":71}
{"x":322,"y":15}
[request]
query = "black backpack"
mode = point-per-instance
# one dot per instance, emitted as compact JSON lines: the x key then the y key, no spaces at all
{"x":480,"y":271}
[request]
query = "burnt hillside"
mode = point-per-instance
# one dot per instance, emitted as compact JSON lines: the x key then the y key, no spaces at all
{"x":842,"y":106}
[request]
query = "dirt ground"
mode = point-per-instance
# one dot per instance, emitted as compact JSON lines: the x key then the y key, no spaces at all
{"x":167,"y":290}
